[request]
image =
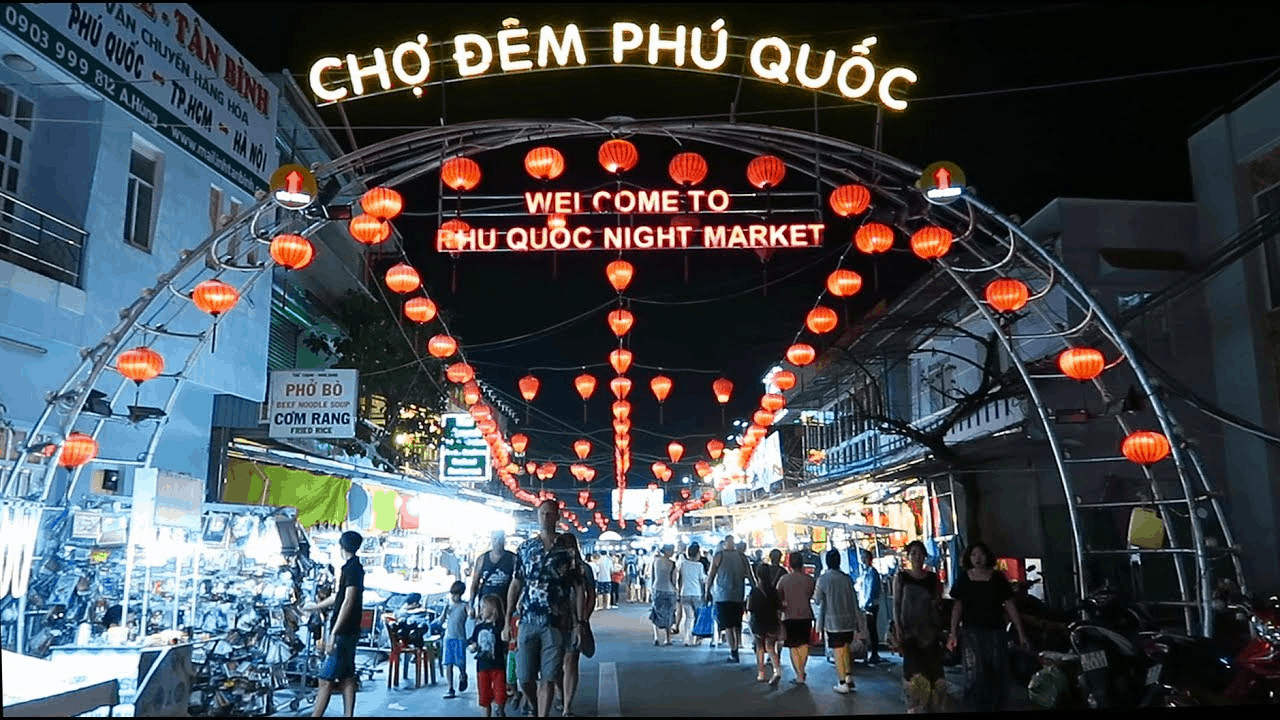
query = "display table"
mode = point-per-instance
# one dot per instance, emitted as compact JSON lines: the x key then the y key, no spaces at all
{"x":42,"y":688}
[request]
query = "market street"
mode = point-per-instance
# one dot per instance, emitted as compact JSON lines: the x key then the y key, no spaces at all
{"x":629,"y":677}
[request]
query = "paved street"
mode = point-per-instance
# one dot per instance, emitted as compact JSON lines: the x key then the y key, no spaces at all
{"x":630,"y":677}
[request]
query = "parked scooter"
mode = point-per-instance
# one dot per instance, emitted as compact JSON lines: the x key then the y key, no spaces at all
{"x":1189,"y":671}
{"x":1047,"y":629}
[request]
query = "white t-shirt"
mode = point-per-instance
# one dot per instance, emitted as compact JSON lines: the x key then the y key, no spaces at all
{"x":692,"y":575}
{"x":595,"y":569}
{"x":606,"y":569}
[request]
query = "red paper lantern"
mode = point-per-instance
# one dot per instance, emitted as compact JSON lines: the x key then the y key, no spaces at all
{"x":460,"y":173}
{"x":661,"y":387}
{"x":519,"y":442}
{"x":763,"y":418}
{"x":1007,"y":294}
{"x":449,"y":231}
{"x":773,"y":402}
{"x":849,"y":200}
{"x":529,"y":387}
{"x":931,"y":243}
{"x":801,"y":354}
{"x":292,"y":251}
{"x":620,"y":321}
{"x":622,"y":441}
{"x":703,"y":468}
{"x":618,"y":156}
{"x":369,"y":230}
{"x":382,"y":203}
{"x":531,"y":467}
{"x":1145,"y":447}
{"x":621,"y":427}
{"x":544,"y":163}
{"x":620,"y":359}
{"x":784,"y":379}
{"x":1081,"y":363}
{"x":77,"y":450}
{"x":766,"y":171}
{"x":621,"y":409}
{"x":403,"y":278}
{"x":619,"y":273}
{"x":215,"y":297}
{"x":620,"y":386}
{"x":687,"y":169}
{"x":585,"y":384}
{"x":460,"y":373}
{"x":140,"y":364}
{"x":583,"y":448}
{"x":420,"y":309}
{"x":843,"y":283}
{"x":659,"y":468}
{"x":873,"y":238}
{"x":723,"y":389}
{"x":821,"y":320}
{"x":470,"y":393}
{"x":442,"y":346}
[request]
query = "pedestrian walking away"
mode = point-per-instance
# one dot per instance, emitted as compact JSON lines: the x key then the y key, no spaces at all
{"x":663,"y":613}
{"x":691,"y":579}
{"x":339,"y":646}
{"x":766,"y":618}
{"x":980,"y":592}
{"x":869,"y":593}
{"x":840,"y":618}
{"x":917,"y":623}
{"x":538,"y":595}
{"x":491,"y":657}
{"x":727,"y":580}
{"x":795,"y":590}
{"x":455,"y":638}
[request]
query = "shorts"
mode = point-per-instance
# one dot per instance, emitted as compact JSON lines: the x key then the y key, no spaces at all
{"x":796,"y":633}
{"x":541,"y":652}
{"x":604,"y":588}
{"x":491,"y":686}
{"x":693,"y":600}
{"x":729,"y":615}
{"x":340,"y":663}
{"x":839,"y":639}
{"x":455,"y":653}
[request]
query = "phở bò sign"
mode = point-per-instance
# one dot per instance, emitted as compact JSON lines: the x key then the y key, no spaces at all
{"x":412,"y":64}
{"x":313,"y":404}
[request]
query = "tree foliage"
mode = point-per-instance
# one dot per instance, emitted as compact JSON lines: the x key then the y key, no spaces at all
{"x":392,"y":369}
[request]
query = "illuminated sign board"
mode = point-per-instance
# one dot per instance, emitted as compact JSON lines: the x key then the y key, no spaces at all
{"x":464,"y":455}
{"x":419,"y":62}
{"x":630,"y":237}
{"x":165,"y":66}
{"x":639,"y":504}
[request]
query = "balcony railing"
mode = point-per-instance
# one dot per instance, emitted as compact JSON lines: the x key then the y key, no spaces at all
{"x":34,"y":239}
{"x":872,"y":449}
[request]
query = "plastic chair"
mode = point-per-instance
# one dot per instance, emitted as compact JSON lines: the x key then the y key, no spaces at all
{"x":400,"y":648}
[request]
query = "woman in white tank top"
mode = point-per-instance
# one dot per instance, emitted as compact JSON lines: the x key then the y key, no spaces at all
{"x":692,"y":578}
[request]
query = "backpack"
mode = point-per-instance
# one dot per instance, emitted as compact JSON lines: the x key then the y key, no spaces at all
{"x":918,"y":616}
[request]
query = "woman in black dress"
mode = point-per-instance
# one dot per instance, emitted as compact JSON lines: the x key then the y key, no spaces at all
{"x":980,"y":593}
{"x":917,"y":621}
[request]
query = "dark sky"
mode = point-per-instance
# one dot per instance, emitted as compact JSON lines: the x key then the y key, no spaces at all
{"x":1021,"y":148}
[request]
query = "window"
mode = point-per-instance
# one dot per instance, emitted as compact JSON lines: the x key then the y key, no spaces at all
{"x":15,"y":136}
{"x":140,"y":201}
{"x":938,"y":381}
{"x":1267,"y":202}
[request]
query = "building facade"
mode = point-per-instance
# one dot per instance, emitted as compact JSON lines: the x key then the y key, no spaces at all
{"x":126,"y":143}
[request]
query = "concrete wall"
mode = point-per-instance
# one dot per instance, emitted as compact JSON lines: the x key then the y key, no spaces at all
{"x":1229,"y":157}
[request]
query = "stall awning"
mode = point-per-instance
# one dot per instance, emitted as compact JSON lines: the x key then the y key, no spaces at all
{"x":847,"y":527}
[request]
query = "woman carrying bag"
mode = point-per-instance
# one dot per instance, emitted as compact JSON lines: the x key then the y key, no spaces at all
{"x":917,"y":631}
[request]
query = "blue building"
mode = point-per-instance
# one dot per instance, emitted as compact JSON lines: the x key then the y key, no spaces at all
{"x":129,"y":134}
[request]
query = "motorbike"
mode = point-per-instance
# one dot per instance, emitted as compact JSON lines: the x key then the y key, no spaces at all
{"x":1192,"y":671}
{"x":1047,"y":629}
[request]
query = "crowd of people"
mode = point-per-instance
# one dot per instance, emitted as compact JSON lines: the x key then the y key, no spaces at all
{"x":530,"y":615}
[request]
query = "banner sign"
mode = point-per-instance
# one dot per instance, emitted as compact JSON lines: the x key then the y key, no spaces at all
{"x":418,"y":62}
{"x":464,"y":455}
{"x":162,"y":64}
{"x":762,"y":237}
{"x":312,"y":403}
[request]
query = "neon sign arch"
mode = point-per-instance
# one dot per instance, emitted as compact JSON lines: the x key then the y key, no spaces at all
{"x":418,"y":63}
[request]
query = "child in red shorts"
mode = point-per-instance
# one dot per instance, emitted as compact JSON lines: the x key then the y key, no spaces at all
{"x":491,"y":656}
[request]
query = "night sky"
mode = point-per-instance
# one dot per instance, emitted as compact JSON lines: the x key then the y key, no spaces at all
{"x":1123,"y":139}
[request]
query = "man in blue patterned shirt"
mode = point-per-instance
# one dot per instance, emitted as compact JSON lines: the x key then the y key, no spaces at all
{"x":540,"y":596}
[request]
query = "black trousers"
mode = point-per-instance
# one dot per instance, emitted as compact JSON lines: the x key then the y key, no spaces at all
{"x":873,"y":631}
{"x":613,"y":591}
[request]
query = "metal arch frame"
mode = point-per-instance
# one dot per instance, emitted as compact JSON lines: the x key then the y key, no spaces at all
{"x":828,"y":161}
